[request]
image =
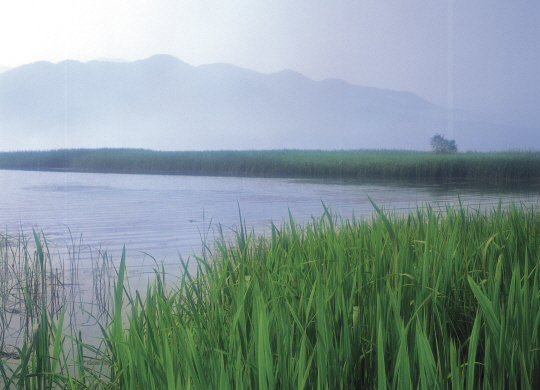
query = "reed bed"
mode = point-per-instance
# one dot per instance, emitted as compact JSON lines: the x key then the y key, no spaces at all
{"x":344,"y":164}
{"x":42,"y":309}
{"x":430,"y":300}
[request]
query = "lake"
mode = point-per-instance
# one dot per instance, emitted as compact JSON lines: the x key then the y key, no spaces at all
{"x":166,"y":216}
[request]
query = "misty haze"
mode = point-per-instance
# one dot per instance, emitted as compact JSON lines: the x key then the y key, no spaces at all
{"x":163,"y":103}
{"x":270,"y":195}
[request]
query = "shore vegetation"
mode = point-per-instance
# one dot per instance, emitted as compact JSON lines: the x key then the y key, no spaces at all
{"x":444,"y":299}
{"x":338,"y":165}
{"x":441,"y":145}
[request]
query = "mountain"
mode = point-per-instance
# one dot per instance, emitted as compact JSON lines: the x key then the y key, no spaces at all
{"x":163,"y":103}
{"x":4,"y":69}
{"x":106,"y":59}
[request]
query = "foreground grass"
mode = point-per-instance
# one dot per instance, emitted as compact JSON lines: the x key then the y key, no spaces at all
{"x":426,"y":300}
{"x":347,"y":165}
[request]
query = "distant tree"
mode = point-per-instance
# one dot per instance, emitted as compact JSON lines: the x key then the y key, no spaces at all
{"x":441,"y":145}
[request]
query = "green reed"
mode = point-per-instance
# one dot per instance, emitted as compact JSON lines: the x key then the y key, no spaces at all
{"x":344,"y":164}
{"x":444,"y":299}
{"x":38,"y":309}
{"x":428,"y":300}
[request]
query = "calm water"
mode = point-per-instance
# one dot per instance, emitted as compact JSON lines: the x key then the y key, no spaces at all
{"x":165,"y":216}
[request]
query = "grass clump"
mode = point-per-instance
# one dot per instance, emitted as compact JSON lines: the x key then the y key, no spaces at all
{"x":41,"y":310}
{"x":419,"y":301}
{"x":427,"y":300}
{"x":344,"y":164}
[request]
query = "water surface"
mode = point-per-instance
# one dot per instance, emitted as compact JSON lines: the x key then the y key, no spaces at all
{"x":166,"y":216}
{"x":84,"y":214}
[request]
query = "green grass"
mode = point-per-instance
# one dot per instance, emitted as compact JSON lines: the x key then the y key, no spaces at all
{"x":427,"y":300}
{"x":345,"y":165}
{"x":39,"y":312}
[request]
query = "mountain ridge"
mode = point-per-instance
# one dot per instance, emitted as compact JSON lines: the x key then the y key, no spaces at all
{"x":163,"y":103}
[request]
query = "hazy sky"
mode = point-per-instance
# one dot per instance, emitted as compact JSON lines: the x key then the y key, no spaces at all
{"x":479,"y":55}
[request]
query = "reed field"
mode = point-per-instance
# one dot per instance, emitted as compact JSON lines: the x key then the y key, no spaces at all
{"x":340,"y":165}
{"x":42,"y":310}
{"x":430,"y":300}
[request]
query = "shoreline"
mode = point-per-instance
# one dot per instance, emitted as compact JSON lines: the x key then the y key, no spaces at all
{"x":346,"y":296}
{"x":288,"y":164}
